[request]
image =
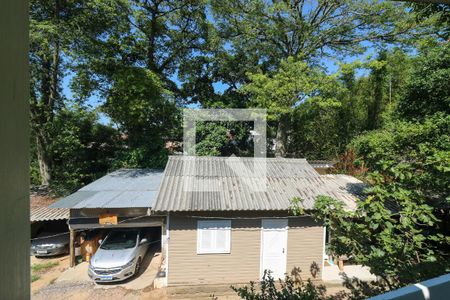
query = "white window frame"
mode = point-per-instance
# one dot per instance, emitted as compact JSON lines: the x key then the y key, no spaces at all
{"x":213,"y":225}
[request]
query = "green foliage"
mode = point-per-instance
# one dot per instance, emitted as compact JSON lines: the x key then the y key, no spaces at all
{"x":145,"y":112}
{"x":292,"y":287}
{"x":296,"y":206}
{"x":399,"y":230}
{"x":306,"y":94}
{"x":82,"y":149}
{"x":158,"y":36}
{"x":428,"y":90}
{"x":437,"y":15}
{"x":223,"y":139}
{"x":264,"y":33}
{"x":211,"y":139}
{"x":414,"y":155}
{"x":143,"y":156}
{"x":139,"y":104}
{"x":291,"y":85}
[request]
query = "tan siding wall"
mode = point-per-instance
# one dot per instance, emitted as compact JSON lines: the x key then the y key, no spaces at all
{"x":242,"y":265}
{"x":305,"y":246}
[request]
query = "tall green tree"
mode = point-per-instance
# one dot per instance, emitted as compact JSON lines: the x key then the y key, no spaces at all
{"x":159,"y":36}
{"x":428,"y":90}
{"x":48,"y":23}
{"x":82,"y":149}
{"x":295,"y":86}
{"x":257,"y":36}
{"x":401,"y":229}
{"x":145,"y":113}
{"x":57,"y":28}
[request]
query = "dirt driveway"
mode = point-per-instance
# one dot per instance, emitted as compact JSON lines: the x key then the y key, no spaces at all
{"x":57,"y":281}
{"x":45,"y":271}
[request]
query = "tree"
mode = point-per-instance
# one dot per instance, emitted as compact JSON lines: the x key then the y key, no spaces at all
{"x":428,"y":90}
{"x":438,"y":16}
{"x":273,"y":31}
{"x":82,"y":150}
{"x":46,"y":46}
{"x":258,"y":36}
{"x":159,"y":36}
{"x":297,"y":86}
{"x":401,"y":229}
{"x":223,"y":139}
{"x":56,"y":29}
{"x":379,"y":76}
{"x":145,"y":112}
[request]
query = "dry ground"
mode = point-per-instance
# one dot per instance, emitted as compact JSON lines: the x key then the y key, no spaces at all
{"x":47,"y":287}
{"x":48,"y":276}
{"x":88,"y":291}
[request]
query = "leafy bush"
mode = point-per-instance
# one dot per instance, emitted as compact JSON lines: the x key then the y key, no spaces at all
{"x":400,"y":230}
{"x":293,"y":287}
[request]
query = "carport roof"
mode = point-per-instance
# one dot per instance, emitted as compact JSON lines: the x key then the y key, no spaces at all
{"x":124,"y":188}
{"x":48,"y":214}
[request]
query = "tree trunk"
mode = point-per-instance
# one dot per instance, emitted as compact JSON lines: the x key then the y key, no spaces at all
{"x":281,"y":138}
{"x":44,"y":161}
{"x":151,"y":61}
{"x":42,"y":113}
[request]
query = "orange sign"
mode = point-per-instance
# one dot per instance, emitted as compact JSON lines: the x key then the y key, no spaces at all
{"x":107,"y":219}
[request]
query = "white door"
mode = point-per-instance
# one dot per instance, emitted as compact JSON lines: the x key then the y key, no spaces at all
{"x":273,"y":247}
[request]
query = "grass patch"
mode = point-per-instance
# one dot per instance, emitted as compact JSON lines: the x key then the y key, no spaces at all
{"x":34,"y":277}
{"x":43,"y":267}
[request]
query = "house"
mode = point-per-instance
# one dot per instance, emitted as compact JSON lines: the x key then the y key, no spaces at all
{"x":227,"y":223}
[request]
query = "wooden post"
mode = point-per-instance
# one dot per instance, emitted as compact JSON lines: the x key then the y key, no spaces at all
{"x":341,"y":264}
{"x":72,"y":248}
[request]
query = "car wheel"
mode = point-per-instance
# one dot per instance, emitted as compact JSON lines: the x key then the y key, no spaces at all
{"x":138,"y":266}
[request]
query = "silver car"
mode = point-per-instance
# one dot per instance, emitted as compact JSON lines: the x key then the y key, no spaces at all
{"x":119,"y":256}
{"x":50,"y":243}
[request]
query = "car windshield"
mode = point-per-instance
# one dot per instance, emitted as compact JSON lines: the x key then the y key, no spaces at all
{"x":117,"y":240}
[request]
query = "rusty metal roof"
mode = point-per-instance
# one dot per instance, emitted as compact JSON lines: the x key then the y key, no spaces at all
{"x":224,"y":184}
{"x":45,"y":213}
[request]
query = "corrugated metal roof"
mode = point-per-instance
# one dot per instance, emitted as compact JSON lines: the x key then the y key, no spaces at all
{"x":44,"y":213}
{"x":213,"y":166}
{"x":225,"y":189}
{"x":321,"y":163}
{"x":120,"y":189}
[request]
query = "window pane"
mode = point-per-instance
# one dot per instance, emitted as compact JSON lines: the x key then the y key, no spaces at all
{"x":207,"y":240}
{"x":221,"y":240}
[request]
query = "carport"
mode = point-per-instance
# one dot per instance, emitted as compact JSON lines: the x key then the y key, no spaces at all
{"x":121,"y":199}
{"x":42,"y":217}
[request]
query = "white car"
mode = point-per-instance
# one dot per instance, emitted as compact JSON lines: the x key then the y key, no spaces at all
{"x":119,"y":256}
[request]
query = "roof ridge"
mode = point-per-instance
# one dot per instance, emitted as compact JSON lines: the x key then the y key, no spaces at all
{"x":192,"y":157}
